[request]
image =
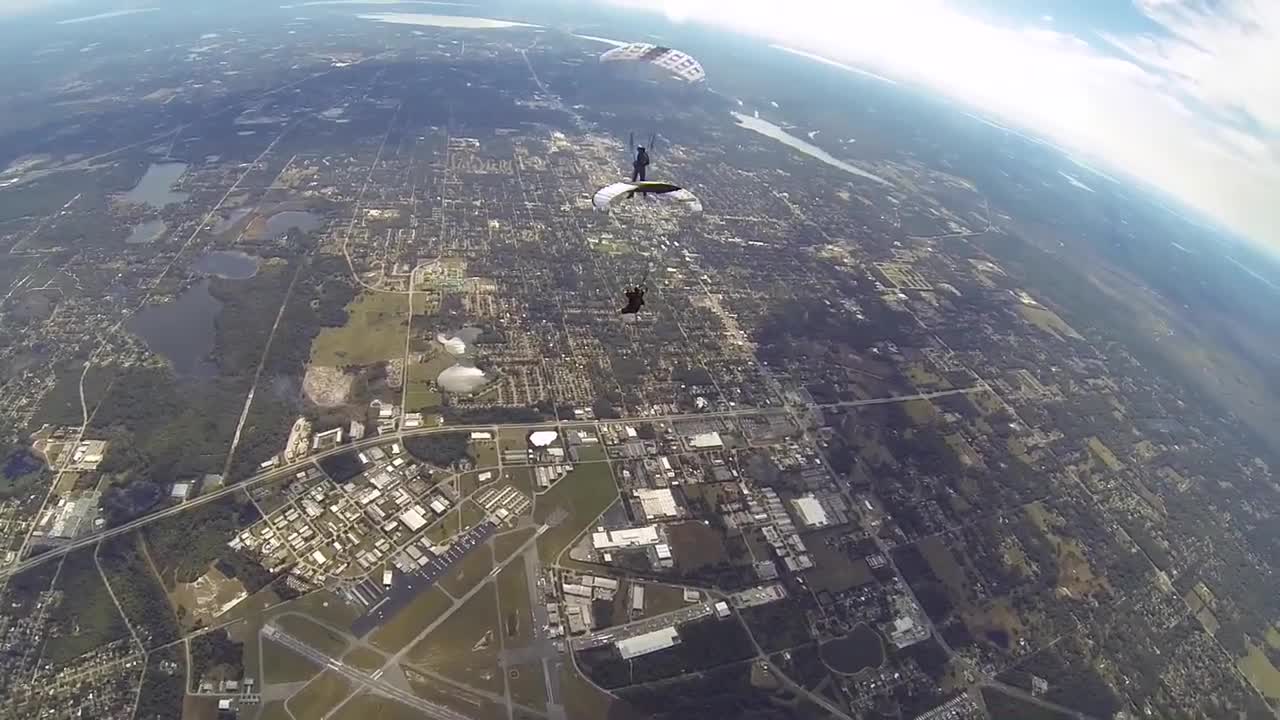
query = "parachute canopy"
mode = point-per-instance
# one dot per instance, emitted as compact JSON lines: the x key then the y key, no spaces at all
{"x":678,"y":63}
{"x":607,"y":196}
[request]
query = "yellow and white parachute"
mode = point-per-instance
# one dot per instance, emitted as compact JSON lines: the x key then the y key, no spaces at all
{"x":678,"y":63}
{"x":606,"y":197}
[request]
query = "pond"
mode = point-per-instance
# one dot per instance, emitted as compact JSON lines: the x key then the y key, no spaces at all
{"x":21,"y":462}
{"x":156,"y":186}
{"x":182,"y":330}
{"x":860,"y":649}
{"x":227,"y":264}
{"x":281,"y":222}
{"x":145,"y":232}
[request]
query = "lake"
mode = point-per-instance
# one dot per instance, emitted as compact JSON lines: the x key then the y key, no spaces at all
{"x":281,"y":222}
{"x":146,"y":232}
{"x":182,"y":330}
{"x":156,"y":186}
{"x":228,"y":264}
{"x":768,"y":129}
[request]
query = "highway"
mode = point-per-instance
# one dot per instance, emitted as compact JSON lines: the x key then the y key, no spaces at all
{"x":361,"y":678}
{"x":283,"y":471}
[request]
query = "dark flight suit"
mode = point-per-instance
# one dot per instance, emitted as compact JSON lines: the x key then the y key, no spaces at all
{"x":638,"y":167}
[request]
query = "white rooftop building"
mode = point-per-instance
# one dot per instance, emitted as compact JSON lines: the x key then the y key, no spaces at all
{"x":626,"y":538}
{"x":649,"y":642}
{"x":542,"y":438}
{"x":706,"y":441}
{"x":811,"y":512}
{"x":658,"y":504}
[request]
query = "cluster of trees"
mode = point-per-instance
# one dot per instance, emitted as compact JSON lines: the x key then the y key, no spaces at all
{"x":439,"y":449}
{"x":215,"y":650}
{"x":138,"y":590}
{"x":162,"y":692}
{"x":704,"y":644}
{"x":86,"y":617}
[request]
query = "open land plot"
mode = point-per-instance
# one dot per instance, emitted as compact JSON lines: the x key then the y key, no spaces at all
{"x":528,"y":685}
{"x":317,"y":636}
{"x":924,"y":378}
{"x":506,"y":544}
{"x":946,"y":567}
{"x":399,"y":630}
{"x":374,"y":332}
{"x":423,"y":393}
{"x":282,"y":665}
{"x":517,"y":613}
{"x":659,"y":599}
{"x":576,"y":500}
{"x":274,"y":710}
{"x":1104,"y":455}
{"x":921,"y":412}
{"x":326,"y":607}
{"x":366,"y":706}
{"x":472,"y":514}
{"x":581,"y":699}
{"x":474,"y":568}
{"x":319,"y":696}
{"x":695,"y":546}
{"x":451,"y":696}
{"x":861,"y":649}
{"x":1003,"y":706}
{"x":465,"y":649}
{"x":1258,"y":668}
{"x":365,"y":658}
{"x":1049,"y":321}
{"x":834,"y":568}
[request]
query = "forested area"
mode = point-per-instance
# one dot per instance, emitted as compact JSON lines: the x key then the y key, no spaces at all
{"x":142,"y":598}
{"x":162,"y":690}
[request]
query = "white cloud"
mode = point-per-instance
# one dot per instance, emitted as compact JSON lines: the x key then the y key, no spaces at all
{"x":1193,"y":109}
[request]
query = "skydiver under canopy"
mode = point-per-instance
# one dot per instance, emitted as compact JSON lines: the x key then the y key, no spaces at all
{"x":641,"y":163}
{"x":635,"y":300}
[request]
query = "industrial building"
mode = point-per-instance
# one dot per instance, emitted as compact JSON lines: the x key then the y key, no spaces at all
{"x":649,"y":642}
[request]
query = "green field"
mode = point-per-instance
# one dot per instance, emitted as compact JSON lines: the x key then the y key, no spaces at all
{"x":325,"y":607}
{"x":365,"y":658}
{"x":319,"y":696}
{"x":584,"y":493}
{"x":468,"y":573}
{"x":366,"y":706}
{"x":282,"y":665}
{"x":472,"y":514}
{"x":1003,"y":706}
{"x":422,"y":392}
{"x":468,"y":704}
{"x":517,"y":614}
{"x":317,"y":636}
{"x":374,"y":332}
{"x":528,"y":686}
{"x":507,"y":543}
{"x":1258,"y":668}
{"x":465,"y":649}
{"x":274,"y":711}
{"x":399,"y":630}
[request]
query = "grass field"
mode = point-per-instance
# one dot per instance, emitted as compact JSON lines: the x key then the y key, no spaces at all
{"x":583,"y":494}
{"x":366,"y":706}
{"x":472,"y":514}
{"x":1048,"y":321}
{"x":317,"y":636}
{"x":1003,"y":706}
{"x":467,"y":704}
{"x":485,"y":452}
{"x":282,"y":665}
{"x":466,"y":574}
{"x":695,"y":546}
{"x":465,"y":649}
{"x":835,"y":570}
{"x":399,"y":630}
{"x":365,"y":658}
{"x":1258,"y":668}
{"x":274,"y":711}
{"x":921,"y":412}
{"x":446,"y":527}
{"x":659,"y":599}
{"x":375,"y":331}
{"x":423,"y":393}
{"x":1104,"y":455}
{"x":582,"y":700}
{"x":922,"y":378}
{"x":507,"y":543}
{"x":528,"y":685}
{"x":319,"y":696}
{"x":517,"y":615}
{"x":946,"y":567}
{"x":325,"y":607}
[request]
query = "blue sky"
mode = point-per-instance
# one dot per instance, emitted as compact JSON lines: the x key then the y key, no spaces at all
{"x":1180,"y":94}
